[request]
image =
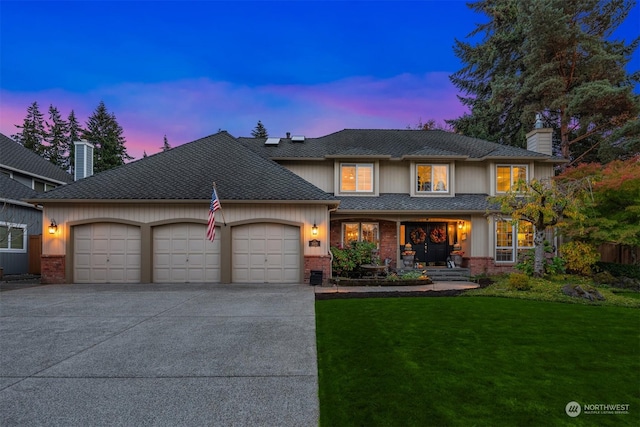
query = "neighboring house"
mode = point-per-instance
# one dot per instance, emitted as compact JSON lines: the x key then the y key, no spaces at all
{"x":285,"y":202}
{"x":146,"y":221}
{"x":426,"y":188}
{"x":23,"y":175}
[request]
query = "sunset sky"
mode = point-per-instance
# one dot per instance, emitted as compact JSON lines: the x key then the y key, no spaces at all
{"x":188,"y":69}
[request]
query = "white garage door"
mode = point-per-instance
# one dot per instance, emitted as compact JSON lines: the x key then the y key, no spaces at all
{"x":183,"y":254}
{"x":106,"y":253}
{"x":266,"y":253}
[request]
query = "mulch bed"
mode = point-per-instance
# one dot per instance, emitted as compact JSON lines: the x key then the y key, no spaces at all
{"x":390,"y":294}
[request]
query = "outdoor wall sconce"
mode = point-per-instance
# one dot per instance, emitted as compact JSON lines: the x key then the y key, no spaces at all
{"x":460,"y":225}
{"x":314,"y":230}
{"x":53,"y":227}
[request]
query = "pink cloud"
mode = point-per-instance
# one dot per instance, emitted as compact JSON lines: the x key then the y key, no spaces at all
{"x":189,"y":109}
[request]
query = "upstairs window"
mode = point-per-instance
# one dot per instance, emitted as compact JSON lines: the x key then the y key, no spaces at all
{"x":508,"y":175}
{"x":356,"y":178}
{"x":432,"y":178}
{"x":13,"y":237}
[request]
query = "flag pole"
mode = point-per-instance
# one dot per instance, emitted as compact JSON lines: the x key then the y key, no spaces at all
{"x":224,"y":221}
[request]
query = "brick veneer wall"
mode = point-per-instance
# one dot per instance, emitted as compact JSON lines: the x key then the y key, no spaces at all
{"x":317,"y":263}
{"x":388,"y":237}
{"x":486,"y":265}
{"x":52,"y":269}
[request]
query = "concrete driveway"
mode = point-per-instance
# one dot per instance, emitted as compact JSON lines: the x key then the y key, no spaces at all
{"x":137,"y":355}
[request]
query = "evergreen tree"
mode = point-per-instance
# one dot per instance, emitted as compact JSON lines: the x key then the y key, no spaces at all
{"x":260,"y":131}
{"x":105,"y":133}
{"x":57,"y":149}
{"x":74,"y":134}
{"x":165,"y":145}
{"x":32,"y":134}
{"x":553,"y":57}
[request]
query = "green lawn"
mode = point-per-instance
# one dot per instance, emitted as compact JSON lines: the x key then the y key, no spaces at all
{"x":464,"y":361}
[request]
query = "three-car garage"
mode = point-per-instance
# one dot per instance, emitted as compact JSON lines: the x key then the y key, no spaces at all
{"x":106,"y":252}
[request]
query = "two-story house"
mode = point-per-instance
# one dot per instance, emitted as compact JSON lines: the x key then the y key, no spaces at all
{"x":285,"y":202}
{"x":425,"y":188}
{"x":23,"y":174}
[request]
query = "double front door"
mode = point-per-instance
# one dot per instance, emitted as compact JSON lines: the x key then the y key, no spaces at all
{"x":429,"y":240}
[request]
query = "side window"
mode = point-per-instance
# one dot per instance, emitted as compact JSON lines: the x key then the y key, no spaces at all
{"x":13,"y":237}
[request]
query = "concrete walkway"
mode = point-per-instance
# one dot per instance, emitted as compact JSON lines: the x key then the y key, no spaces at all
{"x":134,"y":355}
{"x":438,"y":286}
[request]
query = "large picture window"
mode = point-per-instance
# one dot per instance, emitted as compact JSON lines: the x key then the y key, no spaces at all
{"x":508,"y":175}
{"x":13,"y":237}
{"x":356,"y":177}
{"x":432,"y":178}
{"x":360,"y":232}
{"x":512,"y":239}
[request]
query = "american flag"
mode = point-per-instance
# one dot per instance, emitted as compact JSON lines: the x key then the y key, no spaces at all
{"x":213,"y":207}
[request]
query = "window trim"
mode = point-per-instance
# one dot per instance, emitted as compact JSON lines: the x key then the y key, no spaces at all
{"x":515,"y":247}
{"x":9,"y":226}
{"x":414,"y":180}
{"x":370,"y":165}
{"x":511,"y":167}
{"x":360,"y":224}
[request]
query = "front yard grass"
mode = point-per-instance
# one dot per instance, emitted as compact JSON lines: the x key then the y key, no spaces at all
{"x":474,"y":361}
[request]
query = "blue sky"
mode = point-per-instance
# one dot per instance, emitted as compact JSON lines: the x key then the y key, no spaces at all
{"x":188,"y":69}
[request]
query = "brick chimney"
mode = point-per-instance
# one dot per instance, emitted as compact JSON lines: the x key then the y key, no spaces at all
{"x":83,"y":162}
{"x":540,"y":138}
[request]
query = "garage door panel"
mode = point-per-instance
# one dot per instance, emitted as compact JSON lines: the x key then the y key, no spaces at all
{"x":265,"y":252}
{"x":193,"y":258}
{"x":106,"y":253}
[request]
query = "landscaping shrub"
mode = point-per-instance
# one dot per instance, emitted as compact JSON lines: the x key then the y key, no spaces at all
{"x":604,"y":278}
{"x":552,"y":264}
{"x":518,"y":282}
{"x":347,"y":261}
{"x":620,"y":270}
{"x":580,"y":257}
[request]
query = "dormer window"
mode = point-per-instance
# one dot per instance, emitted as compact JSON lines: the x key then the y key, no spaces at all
{"x":509,"y":175}
{"x":356,"y":178}
{"x":432,"y":178}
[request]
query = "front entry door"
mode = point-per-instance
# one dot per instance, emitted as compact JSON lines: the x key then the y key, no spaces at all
{"x":429,"y":240}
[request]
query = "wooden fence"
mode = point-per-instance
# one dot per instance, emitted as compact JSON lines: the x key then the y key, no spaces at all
{"x":620,"y":254}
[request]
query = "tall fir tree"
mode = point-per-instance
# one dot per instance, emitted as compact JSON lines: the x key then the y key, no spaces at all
{"x":105,"y":133}
{"x":165,"y":144}
{"x":32,"y":133}
{"x":557,"y":58}
{"x":260,"y":131}
{"x":75,"y":134}
{"x":57,"y":148}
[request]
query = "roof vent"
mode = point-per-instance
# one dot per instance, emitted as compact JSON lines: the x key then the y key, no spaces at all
{"x":272,"y":141}
{"x":297,"y":138}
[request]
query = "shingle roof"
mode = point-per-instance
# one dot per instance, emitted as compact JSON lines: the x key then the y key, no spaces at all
{"x":16,"y":157}
{"x":187,"y":172}
{"x":13,"y":190}
{"x":389,"y":142}
{"x":404,"y":203}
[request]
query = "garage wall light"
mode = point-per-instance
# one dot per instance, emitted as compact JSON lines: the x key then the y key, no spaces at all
{"x":314,"y":230}
{"x":53,"y":227}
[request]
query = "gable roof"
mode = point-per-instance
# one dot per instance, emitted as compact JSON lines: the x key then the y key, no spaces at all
{"x":13,"y":190}
{"x":15,"y":157}
{"x":187,"y":172}
{"x":394,"y":144}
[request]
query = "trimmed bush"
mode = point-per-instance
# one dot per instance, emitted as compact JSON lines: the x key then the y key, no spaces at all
{"x":620,"y":270}
{"x":518,"y":282}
